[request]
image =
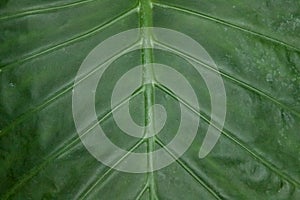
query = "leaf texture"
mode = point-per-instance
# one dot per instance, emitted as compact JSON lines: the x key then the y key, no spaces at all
{"x":255,"y":45}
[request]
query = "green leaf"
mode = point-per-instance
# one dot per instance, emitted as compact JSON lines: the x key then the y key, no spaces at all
{"x":256,"y":47}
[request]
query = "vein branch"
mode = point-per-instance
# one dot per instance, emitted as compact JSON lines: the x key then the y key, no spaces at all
{"x":232,"y":138}
{"x":66,"y":149}
{"x":189,"y":170}
{"x":43,"y":9}
{"x":68,"y":42}
{"x":228,"y":24}
{"x":231,"y":78}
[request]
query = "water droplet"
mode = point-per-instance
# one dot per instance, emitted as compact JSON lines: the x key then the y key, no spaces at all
{"x":269,"y":78}
{"x":12,"y":84}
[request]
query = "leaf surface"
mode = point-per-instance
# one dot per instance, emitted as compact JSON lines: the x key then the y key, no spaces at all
{"x":255,"y":45}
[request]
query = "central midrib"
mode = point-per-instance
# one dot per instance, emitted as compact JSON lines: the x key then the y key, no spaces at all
{"x":145,"y":20}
